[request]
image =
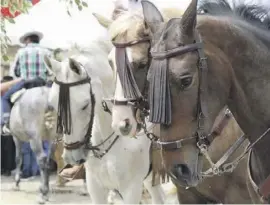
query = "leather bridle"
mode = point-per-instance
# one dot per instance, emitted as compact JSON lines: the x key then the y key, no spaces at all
{"x":62,"y":127}
{"x":139,"y":102}
{"x":200,"y":137}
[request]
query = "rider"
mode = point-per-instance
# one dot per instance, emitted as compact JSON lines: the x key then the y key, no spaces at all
{"x":29,"y":66}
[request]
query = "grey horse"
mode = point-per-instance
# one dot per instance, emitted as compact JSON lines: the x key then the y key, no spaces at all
{"x":32,"y":120}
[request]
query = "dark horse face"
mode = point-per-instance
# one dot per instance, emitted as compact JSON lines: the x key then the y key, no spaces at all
{"x":184,"y":164}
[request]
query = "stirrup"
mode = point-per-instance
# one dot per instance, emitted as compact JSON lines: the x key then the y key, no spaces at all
{"x":5,"y":130}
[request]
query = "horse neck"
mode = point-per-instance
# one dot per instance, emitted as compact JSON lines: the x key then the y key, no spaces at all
{"x":250,"y":84}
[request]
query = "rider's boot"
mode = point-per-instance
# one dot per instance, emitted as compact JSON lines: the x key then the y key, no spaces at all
{"x":5,"y":127}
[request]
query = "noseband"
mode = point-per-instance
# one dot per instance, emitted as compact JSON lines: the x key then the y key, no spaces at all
{"x":64,"y":120}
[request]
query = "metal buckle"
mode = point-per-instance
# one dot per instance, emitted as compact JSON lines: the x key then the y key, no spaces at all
{"x":203,"y":62}
{"x":201,"y":121}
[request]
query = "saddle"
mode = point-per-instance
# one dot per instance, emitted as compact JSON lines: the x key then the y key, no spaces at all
{"x":37,"y":82}
{"x":17,"y":95}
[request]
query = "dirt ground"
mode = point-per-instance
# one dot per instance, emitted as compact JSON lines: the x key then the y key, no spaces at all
{"x":72,"y":193}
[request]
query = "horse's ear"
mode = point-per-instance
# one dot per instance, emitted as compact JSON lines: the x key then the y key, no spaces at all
{"x":52,"y":65}
{"x":189,"y":18}
{"x":75,"y":66}
{"x":103,"y":21}
{"x":152,"y":15}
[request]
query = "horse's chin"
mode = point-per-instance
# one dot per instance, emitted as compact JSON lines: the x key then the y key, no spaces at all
{"x":191,"y":182}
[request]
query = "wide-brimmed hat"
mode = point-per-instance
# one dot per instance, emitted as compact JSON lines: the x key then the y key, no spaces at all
{"x":30,"y":33}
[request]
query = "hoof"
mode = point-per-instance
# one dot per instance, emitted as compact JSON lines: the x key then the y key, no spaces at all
{"x":43,"y":199}
{"x":16,"y":188}
{"x":61,"y":183}
{"x":83,"y":192}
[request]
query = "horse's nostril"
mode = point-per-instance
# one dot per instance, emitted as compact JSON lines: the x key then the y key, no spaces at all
{"x":81,"y":161}
{"x":125,"y":127}
{"x":182,"y":170}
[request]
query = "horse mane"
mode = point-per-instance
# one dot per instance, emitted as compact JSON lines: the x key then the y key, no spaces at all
{"x":128,"y":21}
{"x":98,"y":45}
{"x":251,"y":17}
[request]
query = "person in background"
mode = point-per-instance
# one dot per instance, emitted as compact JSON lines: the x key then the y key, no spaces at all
{"x":30,"y":67}
{"x":8,"y":151}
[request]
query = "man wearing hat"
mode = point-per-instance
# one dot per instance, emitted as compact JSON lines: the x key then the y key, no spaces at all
{"x":30,"y":67}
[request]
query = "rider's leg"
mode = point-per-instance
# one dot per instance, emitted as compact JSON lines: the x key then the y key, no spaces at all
{"x":5,"y":100}
{"x":26,"y":162}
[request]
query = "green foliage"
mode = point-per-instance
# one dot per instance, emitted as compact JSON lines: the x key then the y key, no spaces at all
{"x":23,"y":6}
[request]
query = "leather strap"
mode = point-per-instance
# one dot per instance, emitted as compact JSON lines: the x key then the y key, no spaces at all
{"x":170,"y":146}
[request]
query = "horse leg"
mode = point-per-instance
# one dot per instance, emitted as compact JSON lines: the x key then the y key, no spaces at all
{"x":60,"y":164}
{"x":97,"y":192}
{"x":156,"y":192}
{"x":42,"y":159}
{"x":18,"y":145}
{"x":132,"y":193}
{"x":84,"y":191}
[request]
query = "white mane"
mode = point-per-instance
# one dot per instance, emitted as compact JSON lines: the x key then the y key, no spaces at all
{"x":94,"y":58}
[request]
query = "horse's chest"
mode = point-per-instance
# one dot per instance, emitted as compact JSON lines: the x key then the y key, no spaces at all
{"x":119,"y":166}
{"x":109,"y":171}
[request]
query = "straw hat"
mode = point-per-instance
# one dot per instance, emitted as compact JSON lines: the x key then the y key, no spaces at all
{"x":37,"y":33}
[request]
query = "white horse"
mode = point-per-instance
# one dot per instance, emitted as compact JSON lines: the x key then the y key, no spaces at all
{"x":31,"y":120}
{"x":111,"y":161}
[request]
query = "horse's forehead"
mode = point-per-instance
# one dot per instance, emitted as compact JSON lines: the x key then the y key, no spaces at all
{"x":165,"y":36}
{"x":65,"y":71}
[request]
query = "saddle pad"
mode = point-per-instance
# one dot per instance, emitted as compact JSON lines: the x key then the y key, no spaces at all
{"x":15,"y":96}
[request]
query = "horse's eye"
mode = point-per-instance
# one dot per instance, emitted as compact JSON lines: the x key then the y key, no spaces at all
{"x":84,"y":107}
{"x":185,"y":82}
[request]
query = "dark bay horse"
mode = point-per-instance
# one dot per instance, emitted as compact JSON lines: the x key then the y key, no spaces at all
{"x":200,"y":64}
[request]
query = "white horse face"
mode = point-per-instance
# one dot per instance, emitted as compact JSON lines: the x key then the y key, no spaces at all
{"x":123,"y":120}
{"x":70,"y":71}
{"x":123,"y":116}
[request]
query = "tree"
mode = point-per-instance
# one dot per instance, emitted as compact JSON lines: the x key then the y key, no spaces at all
{"x":22,"y":6}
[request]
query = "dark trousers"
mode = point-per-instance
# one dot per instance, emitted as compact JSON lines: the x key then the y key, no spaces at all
{"x":8,"y":153}
{"x":30,"y":166}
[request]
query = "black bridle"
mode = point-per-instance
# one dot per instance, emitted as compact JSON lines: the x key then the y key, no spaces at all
{"x":64,"y":120}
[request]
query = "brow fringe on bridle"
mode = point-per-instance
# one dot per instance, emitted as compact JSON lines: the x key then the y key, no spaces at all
{"x":127,"y":80}
{"x":159,"y":97}
{"x":64,"y":122}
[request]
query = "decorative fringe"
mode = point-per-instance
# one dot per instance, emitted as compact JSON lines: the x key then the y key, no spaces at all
{"x":159,"y":93}
{"x":159,"y":174}
{"x":64,"y":114}
{"x":127,"y":80}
